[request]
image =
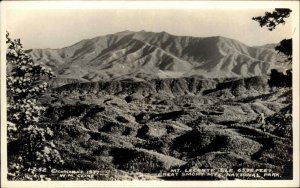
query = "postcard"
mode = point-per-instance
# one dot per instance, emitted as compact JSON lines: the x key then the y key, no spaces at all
{"x":149,"y":93}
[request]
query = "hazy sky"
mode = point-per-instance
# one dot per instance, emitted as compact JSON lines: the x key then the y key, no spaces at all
{"x":61,"y":28}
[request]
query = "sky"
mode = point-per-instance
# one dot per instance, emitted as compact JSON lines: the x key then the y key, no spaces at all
{"x":57,"y":28}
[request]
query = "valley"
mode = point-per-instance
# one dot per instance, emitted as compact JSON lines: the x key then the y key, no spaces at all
{"x":142,"y":129}
{"x":154,"y":106}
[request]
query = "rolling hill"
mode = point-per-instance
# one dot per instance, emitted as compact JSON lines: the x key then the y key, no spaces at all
{"x":138,"y":105}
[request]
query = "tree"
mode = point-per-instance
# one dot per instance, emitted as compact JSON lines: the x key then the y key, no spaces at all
{"x":285,"y":48}
{"x":278,"y":79}
{"x":31,"y":151}
{"x":271,"y":20}
{"x":282,"y":121}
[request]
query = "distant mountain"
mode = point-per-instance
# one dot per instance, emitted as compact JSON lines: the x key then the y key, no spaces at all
{"x":148,"y":55}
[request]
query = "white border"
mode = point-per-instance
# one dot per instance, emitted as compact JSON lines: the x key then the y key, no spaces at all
{"x":148,"y":4}
{"x":155,"y":5}
{"x":3,"y":93}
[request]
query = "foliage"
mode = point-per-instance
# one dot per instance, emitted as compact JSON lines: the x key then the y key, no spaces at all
{"x":36,"y":153}
{"x":285,"y":47}
{"x":271,"y":20}
{"x":278,"y":79}
{"x":282,"y":123}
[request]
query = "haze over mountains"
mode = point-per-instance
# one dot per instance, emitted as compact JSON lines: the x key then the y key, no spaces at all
{"x":148,"y":55}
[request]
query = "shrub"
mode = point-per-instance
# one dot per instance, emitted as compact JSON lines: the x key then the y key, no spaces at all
{"x":37,"y":153}
{"x":278,"y":79}
{"x":282,"y":124}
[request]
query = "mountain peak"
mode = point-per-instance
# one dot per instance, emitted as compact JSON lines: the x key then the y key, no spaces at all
{"x":143,"y":54}
{"x":124,"y":32}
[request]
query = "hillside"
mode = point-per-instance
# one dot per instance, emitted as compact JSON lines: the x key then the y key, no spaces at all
{"x":149,"y":55}
{"x":137,"y":130}
{"x":141,"y":105}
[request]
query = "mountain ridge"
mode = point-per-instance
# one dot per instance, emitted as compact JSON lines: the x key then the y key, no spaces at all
{"x":161,"y":55}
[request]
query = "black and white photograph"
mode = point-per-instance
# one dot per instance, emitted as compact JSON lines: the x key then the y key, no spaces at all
{"x":167,"y":92}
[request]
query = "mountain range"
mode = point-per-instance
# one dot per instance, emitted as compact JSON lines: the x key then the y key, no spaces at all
{"x":135,"y":104}
{"x":149,"y":55}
